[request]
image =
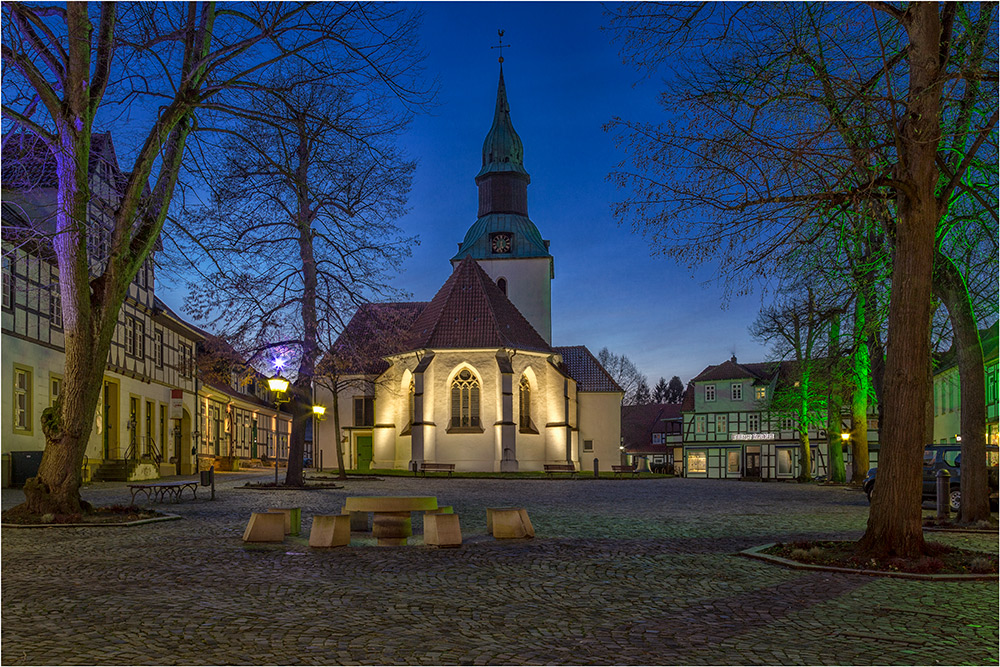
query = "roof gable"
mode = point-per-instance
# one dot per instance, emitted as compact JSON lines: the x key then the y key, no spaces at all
{"x":470,"y":311}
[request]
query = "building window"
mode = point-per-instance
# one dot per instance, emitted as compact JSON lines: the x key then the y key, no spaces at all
{"x":699,"y":423}
{"x":55,"y":304}
{"x":502,"y":284}
{"x":721,"y":424}
{"x":588,"y":445}
{"x":364,"y":410}
{"x":732,"y":461}
{"x":22,"y":399}
{"x":787,"y":423}
{"x":524,"y":405}
{"x":158,"y":348}
{"x":129,"y":335}
{"x":8,"y":283}
{"x":657,"y":438}
{"x":709,"y":392}
{"x":140,"y":339}
{"x":55,"y":389}
{"x":753,"y":423}
{"x":760,"y":393}
{"x":736,"y":391}
{"x":698,"y":461}
{"x":465,"y":401}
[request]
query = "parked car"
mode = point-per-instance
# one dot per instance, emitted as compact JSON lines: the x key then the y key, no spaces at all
{"x":944,"y":457}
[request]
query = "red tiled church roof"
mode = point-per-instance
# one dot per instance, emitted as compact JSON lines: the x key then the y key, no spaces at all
{"x":588,"y":372}
{"x":470,"y":311}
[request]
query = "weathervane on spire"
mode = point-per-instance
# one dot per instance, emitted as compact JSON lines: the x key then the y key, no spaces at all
{"x":500,"y":46}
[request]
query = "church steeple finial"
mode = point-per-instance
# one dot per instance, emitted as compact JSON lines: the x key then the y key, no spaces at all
{"x":500,"y":46}
{"x":502,"y":149}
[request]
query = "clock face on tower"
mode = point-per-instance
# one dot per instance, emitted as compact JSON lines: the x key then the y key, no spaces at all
{"x":501,"y":242}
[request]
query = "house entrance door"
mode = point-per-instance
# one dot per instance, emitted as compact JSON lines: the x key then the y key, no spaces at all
{"x":363,"y":445}
{"x":751,"y":467}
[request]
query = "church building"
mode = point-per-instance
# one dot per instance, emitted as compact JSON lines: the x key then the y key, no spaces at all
{"x":471,"y":378}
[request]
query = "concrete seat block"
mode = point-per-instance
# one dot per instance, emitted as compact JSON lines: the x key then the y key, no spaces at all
{"x":509,"y":522}
{"x":359,"y":521}
{"x":330,"y":530}
{"x":444,"y":509}
{"x":265,"y":527}
{"x":293,"y":519}
{"x":442,"y":530}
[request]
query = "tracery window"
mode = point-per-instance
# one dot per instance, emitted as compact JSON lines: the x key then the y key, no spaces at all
{"x":524,"y":405}
{"x":465,"y":401}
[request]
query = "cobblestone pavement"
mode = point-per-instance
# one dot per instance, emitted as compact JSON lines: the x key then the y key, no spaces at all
{"x":621,"y":572}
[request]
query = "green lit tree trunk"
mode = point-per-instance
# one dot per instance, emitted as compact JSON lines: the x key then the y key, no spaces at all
{"x":805,"y":455}
{"x":861,"y":393}
{"x":951,"y":287}
{"x":834,"y":443}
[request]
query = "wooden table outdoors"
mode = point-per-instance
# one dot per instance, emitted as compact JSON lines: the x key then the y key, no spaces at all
{"x":391,"y":522}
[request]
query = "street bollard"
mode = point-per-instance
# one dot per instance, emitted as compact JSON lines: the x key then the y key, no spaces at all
{"x":943,"y":494}
{"x":596,"y":468}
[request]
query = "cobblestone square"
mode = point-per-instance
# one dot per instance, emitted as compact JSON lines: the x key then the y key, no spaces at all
{"x":621,"y":572}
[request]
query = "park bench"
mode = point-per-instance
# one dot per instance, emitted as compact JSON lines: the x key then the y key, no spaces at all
{"x":618,"y":470}
{"x":426,"y":466}
{"x":560,"y":467}
{"x":160,"y":490}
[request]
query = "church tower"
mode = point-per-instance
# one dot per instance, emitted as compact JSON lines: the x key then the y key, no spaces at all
{"x":503,"y":240}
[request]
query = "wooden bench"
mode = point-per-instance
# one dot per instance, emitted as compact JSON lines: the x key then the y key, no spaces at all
{"x":160,"y":490}
{"x":560,"y":467}
{"x":618,"y":470}
{"x":436,"y":467}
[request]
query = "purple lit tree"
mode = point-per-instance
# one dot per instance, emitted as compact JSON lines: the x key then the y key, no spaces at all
{"x":69,"y":69}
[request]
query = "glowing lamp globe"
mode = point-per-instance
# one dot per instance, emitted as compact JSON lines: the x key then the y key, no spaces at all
{"x":319,"y":410}
{"x":277,"y":384}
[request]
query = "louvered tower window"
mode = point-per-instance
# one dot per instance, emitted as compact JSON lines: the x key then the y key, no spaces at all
{"x":465,"y":401}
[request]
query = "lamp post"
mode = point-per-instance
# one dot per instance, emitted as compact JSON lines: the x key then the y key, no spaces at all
{"x":319,"y":412}
{"x":279,"y":386}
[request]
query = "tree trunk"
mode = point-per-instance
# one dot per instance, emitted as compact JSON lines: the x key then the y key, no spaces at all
{"x":301,"y":408}
{"x":302,"y":401}
{"x":894,"y":523}
{"x":341,"y":471}
{"x":862,"y":391}
{"x":805,"y":455}
{"x":951,"y":288}
{"x":834,"y":443}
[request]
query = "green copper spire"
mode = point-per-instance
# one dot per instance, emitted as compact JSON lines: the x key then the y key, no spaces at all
{"x":502,"y":149}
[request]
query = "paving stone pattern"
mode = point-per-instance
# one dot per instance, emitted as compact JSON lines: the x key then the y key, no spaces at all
{"x":621,"y":572}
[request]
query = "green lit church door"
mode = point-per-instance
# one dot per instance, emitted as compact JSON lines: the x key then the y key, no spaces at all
{"x":363,"y":445}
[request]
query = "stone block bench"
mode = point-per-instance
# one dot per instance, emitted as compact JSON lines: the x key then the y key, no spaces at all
{"x":265,"y":527}
{"x":508,"y":522}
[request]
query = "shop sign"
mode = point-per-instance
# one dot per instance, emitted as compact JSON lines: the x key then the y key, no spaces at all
{"x":752,"y":436}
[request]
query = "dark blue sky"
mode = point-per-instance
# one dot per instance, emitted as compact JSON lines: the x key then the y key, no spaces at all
{"x":564,"y":81}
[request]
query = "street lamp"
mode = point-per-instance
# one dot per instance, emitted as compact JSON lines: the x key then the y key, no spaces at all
{"x":318,"y":414}
{"x":279,"y":386}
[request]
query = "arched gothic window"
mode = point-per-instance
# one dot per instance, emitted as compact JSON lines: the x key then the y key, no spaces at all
{"x":524,"y":409}
{"x":465,"y":400}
